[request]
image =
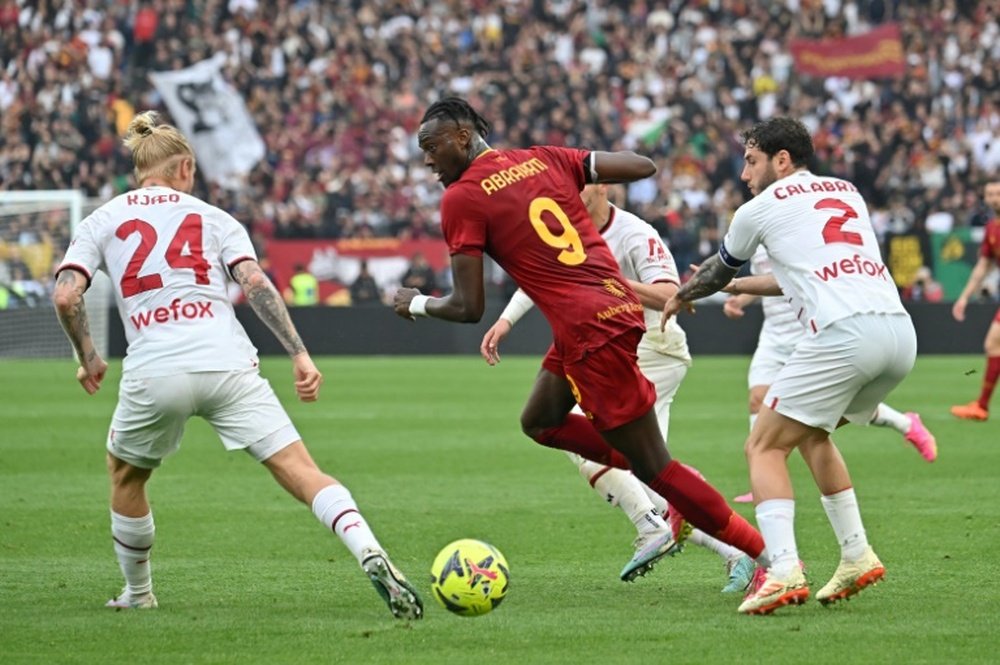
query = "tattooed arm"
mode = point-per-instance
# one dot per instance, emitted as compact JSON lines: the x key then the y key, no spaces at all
{"x":268,"y":305}
{"x":72,"y":313}
{"x":711,"y":277}
{"x":755,"y":285}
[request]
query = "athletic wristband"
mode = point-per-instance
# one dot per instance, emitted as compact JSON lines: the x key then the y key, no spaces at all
{"x":516,"y":308}
{"x":418,"y":306}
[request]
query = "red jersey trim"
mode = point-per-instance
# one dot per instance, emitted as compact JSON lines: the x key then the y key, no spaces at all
{"x":666,"y":281}
{"x":235,"y":262}
{"x":611,"y":218}
{"x":77,"y":267}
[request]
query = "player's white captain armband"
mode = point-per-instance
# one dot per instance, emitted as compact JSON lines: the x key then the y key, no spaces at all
{"x":418,"y":306}
{"x":516,"y":308}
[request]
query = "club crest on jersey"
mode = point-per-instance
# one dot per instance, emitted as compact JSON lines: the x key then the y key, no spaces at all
{"x":614,"y":287}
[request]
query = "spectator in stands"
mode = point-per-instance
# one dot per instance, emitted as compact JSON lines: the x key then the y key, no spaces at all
{"x":924,"y":287}
{"x":29,"y":290}
{"x":364,"y":289}
{"x":336,"y":92}
{"x":302,"y":289}
{"x":420,"y":275}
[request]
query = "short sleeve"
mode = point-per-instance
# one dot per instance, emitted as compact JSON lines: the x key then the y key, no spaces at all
{"x":84,"y":252}
{"x":463,"y":223}
{"x":742,"y":239}
{"x":236,"y":244}
{"x":570,"y":160}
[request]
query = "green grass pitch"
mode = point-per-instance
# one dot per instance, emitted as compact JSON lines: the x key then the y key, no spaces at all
{"x":431,"y":449}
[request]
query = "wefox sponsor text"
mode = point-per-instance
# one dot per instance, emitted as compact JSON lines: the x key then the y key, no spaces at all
{"x":852,"y":266}
{"x":177,"y":310}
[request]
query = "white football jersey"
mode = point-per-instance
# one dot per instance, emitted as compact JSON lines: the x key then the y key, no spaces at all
{"x":823,"y":249}
{"x":642,"y":257}
{"x":168,"y":255}
{"x":780,"y":328}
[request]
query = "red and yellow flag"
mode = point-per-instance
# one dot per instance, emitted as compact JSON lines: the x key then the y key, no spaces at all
{"x":872,"y":55}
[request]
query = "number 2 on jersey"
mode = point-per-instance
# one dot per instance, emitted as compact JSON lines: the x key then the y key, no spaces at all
{"x":833,"y":230}
{"x":569,"y":240}
{"x":188,"y":233}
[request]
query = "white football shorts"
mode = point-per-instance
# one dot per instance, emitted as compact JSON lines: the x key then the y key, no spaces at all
{"x":845,"y":370}
{"x":665,"y":373}
{"x":767,"y":361}
{"x":241,"y":406}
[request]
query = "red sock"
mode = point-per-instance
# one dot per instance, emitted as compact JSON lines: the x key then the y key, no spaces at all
{"x":577,"y":435}
{"x":989,"y":381}
{"x":703,"y":506}
{"x":742,"y":535}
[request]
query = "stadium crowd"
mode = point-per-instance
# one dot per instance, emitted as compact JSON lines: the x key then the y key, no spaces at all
{"x":337,"y":90}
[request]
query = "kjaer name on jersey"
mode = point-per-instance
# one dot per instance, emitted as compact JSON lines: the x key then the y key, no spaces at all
{"x":147,"y":200}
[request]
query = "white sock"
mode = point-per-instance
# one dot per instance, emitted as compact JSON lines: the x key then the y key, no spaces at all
{"x":845,"y":518}
{"x":702,"y":539}
{"x":620,"y":488}
{"x":753,"y":419}
{"x":133,"y":537}
{"x":334,"y":507}
{"x":776,"y":520}
{"x":886,"y":416}
{"x":658,"y":501}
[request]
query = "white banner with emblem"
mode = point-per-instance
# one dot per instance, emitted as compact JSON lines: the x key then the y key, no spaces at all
{"x":214,"y":118}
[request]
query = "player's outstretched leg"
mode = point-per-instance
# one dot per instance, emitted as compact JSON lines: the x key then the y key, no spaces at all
{"x":334,"y":507}
{"x":654,"y":539}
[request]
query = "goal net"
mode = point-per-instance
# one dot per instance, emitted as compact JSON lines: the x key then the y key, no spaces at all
{"x":35,"y":230}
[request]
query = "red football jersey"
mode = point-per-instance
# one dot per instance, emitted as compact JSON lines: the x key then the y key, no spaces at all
{"x":523,"y":208}
{"x":990,"y":248}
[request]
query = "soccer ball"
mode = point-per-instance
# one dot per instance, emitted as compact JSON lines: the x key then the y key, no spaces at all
{"x":469,"y":577}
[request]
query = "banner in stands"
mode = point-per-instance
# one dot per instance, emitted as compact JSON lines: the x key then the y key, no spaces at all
{"x":955,"y":254}
{"x":873,"y":55}
{"x":905,"y":254}
{"x":214,"y":118}
{"x":336,"y":263}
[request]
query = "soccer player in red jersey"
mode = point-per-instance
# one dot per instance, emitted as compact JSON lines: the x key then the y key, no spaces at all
{"x":523,"y":208}
{"x":989,"y":254}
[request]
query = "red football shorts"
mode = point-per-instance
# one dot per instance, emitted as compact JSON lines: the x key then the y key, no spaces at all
{"x":997,"y":317}
{"x":606,"y":381}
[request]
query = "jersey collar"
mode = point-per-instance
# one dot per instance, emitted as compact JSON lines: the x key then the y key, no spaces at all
{"x":611,"y":218}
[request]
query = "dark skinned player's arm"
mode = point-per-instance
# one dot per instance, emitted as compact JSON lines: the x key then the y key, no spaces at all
{"x":622,"y":166}
{"x":468,"y":300}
